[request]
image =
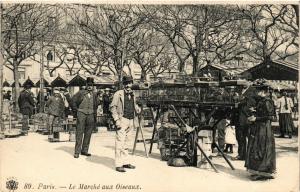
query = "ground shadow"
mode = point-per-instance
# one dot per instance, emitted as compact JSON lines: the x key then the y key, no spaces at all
{"x":106,"y":161}
{"x":240,"y":174}
{"x":69,"y":150}
{"x":140,"y":153}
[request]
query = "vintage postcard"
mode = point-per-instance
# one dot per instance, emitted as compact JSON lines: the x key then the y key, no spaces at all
{"x":149,"y":96}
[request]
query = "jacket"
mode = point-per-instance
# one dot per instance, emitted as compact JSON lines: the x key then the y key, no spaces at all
{"x":26,"y":103}
{"x":78,"y":98}
{"x":55,"y":107}
{"x":117,"y":105}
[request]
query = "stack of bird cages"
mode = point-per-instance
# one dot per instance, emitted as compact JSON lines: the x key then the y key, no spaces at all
{"x":206,"y":91}
{"x":41,"y":122}
{"x":172,"y":91}
{"x":169,"y":140}
{"x":58,"y":125}
{"x":71,"y":127}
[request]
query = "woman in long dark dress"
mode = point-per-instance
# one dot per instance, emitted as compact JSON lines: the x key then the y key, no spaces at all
{"x":261,"y":156}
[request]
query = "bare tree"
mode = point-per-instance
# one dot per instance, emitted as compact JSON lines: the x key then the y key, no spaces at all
{"x":24,"y":26}
{"x":189,"y":28}
{"x":112,"y":27}
{"x":265,"y":24}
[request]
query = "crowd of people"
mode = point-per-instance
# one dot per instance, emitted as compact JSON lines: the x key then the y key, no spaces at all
{"x":250,"y":126}
{"x":119,"y":109}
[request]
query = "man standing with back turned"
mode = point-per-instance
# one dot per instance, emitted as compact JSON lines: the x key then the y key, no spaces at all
{"x":123,"y":108}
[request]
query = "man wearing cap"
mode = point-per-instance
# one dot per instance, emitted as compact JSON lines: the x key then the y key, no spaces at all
{"x":123,"y":108}
{"x":85,"y":104}
{"x":56,"y":108}
{"x":105,"y":104}
{"x":26,"y":105}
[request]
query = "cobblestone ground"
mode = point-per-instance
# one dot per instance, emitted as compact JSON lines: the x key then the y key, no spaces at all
{"x":38,"y":165}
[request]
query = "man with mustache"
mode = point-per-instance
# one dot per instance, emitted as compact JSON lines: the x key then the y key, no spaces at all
{"x":124,"y":109}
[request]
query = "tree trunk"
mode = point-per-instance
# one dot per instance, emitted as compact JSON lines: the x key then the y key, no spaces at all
{"x":143,"y":75}
{"x":181,"y":66}
{"x":195,"y":66}
{"x":17,"y":86}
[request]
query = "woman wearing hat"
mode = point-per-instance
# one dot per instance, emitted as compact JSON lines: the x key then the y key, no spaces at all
{"x":261,"y":156}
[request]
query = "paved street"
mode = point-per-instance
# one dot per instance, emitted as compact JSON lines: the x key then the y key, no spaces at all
{"x":42,"y":166}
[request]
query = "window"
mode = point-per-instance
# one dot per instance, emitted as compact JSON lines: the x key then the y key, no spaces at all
{"x":21,"y":73}
{"x":50,"y":56}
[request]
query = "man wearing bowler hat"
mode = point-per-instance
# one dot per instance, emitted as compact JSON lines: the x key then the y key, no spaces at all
{"x":123,"y":108}
{"x":26,"y":105}
{"x":85,"y":104}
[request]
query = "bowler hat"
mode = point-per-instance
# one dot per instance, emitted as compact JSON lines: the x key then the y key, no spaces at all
{"x":90,"y":81}
{"x":127,"y":79}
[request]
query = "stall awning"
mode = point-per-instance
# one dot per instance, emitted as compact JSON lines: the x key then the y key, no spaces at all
{"x":59,"y":82}
{"x":28,"y":81}
{"x":77,"y":80}
{"x":273,"y":70}
{"x":6,"y":84}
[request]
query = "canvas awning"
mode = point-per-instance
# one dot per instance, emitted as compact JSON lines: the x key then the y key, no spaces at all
{"x":59,"y":82}
{"x":6,"y":84}
{"x":77,"y":80}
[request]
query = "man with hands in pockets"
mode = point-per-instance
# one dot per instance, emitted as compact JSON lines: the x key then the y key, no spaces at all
{"x":124,"y":109}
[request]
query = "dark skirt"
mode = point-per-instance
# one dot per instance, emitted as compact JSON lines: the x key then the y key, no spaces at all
{"x":261,"y":156}
{"x":286,"y":123}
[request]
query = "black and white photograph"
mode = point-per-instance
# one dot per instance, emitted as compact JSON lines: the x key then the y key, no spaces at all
{"x":149,"y":96}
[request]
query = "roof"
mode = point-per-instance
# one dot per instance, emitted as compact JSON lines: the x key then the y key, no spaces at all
{"x":59,"y":82}
{"x":226,"y":69}
{"x":287,"y":64}
{"x":273,"y":70}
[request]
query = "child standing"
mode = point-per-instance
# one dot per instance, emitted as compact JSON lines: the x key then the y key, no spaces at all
{"x":229,"y":137}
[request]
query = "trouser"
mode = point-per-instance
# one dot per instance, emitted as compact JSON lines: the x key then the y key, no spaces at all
{"x":52,"y":134}
{"x":221,"y":133}
{"x":25,"y":123}
{"x":84,"y":129}
{"x":123,"y":142}
{"x":241,"y":137}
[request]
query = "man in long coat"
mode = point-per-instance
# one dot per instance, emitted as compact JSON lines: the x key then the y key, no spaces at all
{"x":26,"y":105}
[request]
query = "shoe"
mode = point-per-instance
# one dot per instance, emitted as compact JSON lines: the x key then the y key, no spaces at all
{"x":76,"y":155}
{"x":120,"y":169}
{"x":281,"y":136}
{"x":259,"y":178}
{"x":86,"y":154}
{"x":237,"y":158}
{"x":129,"y":166}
